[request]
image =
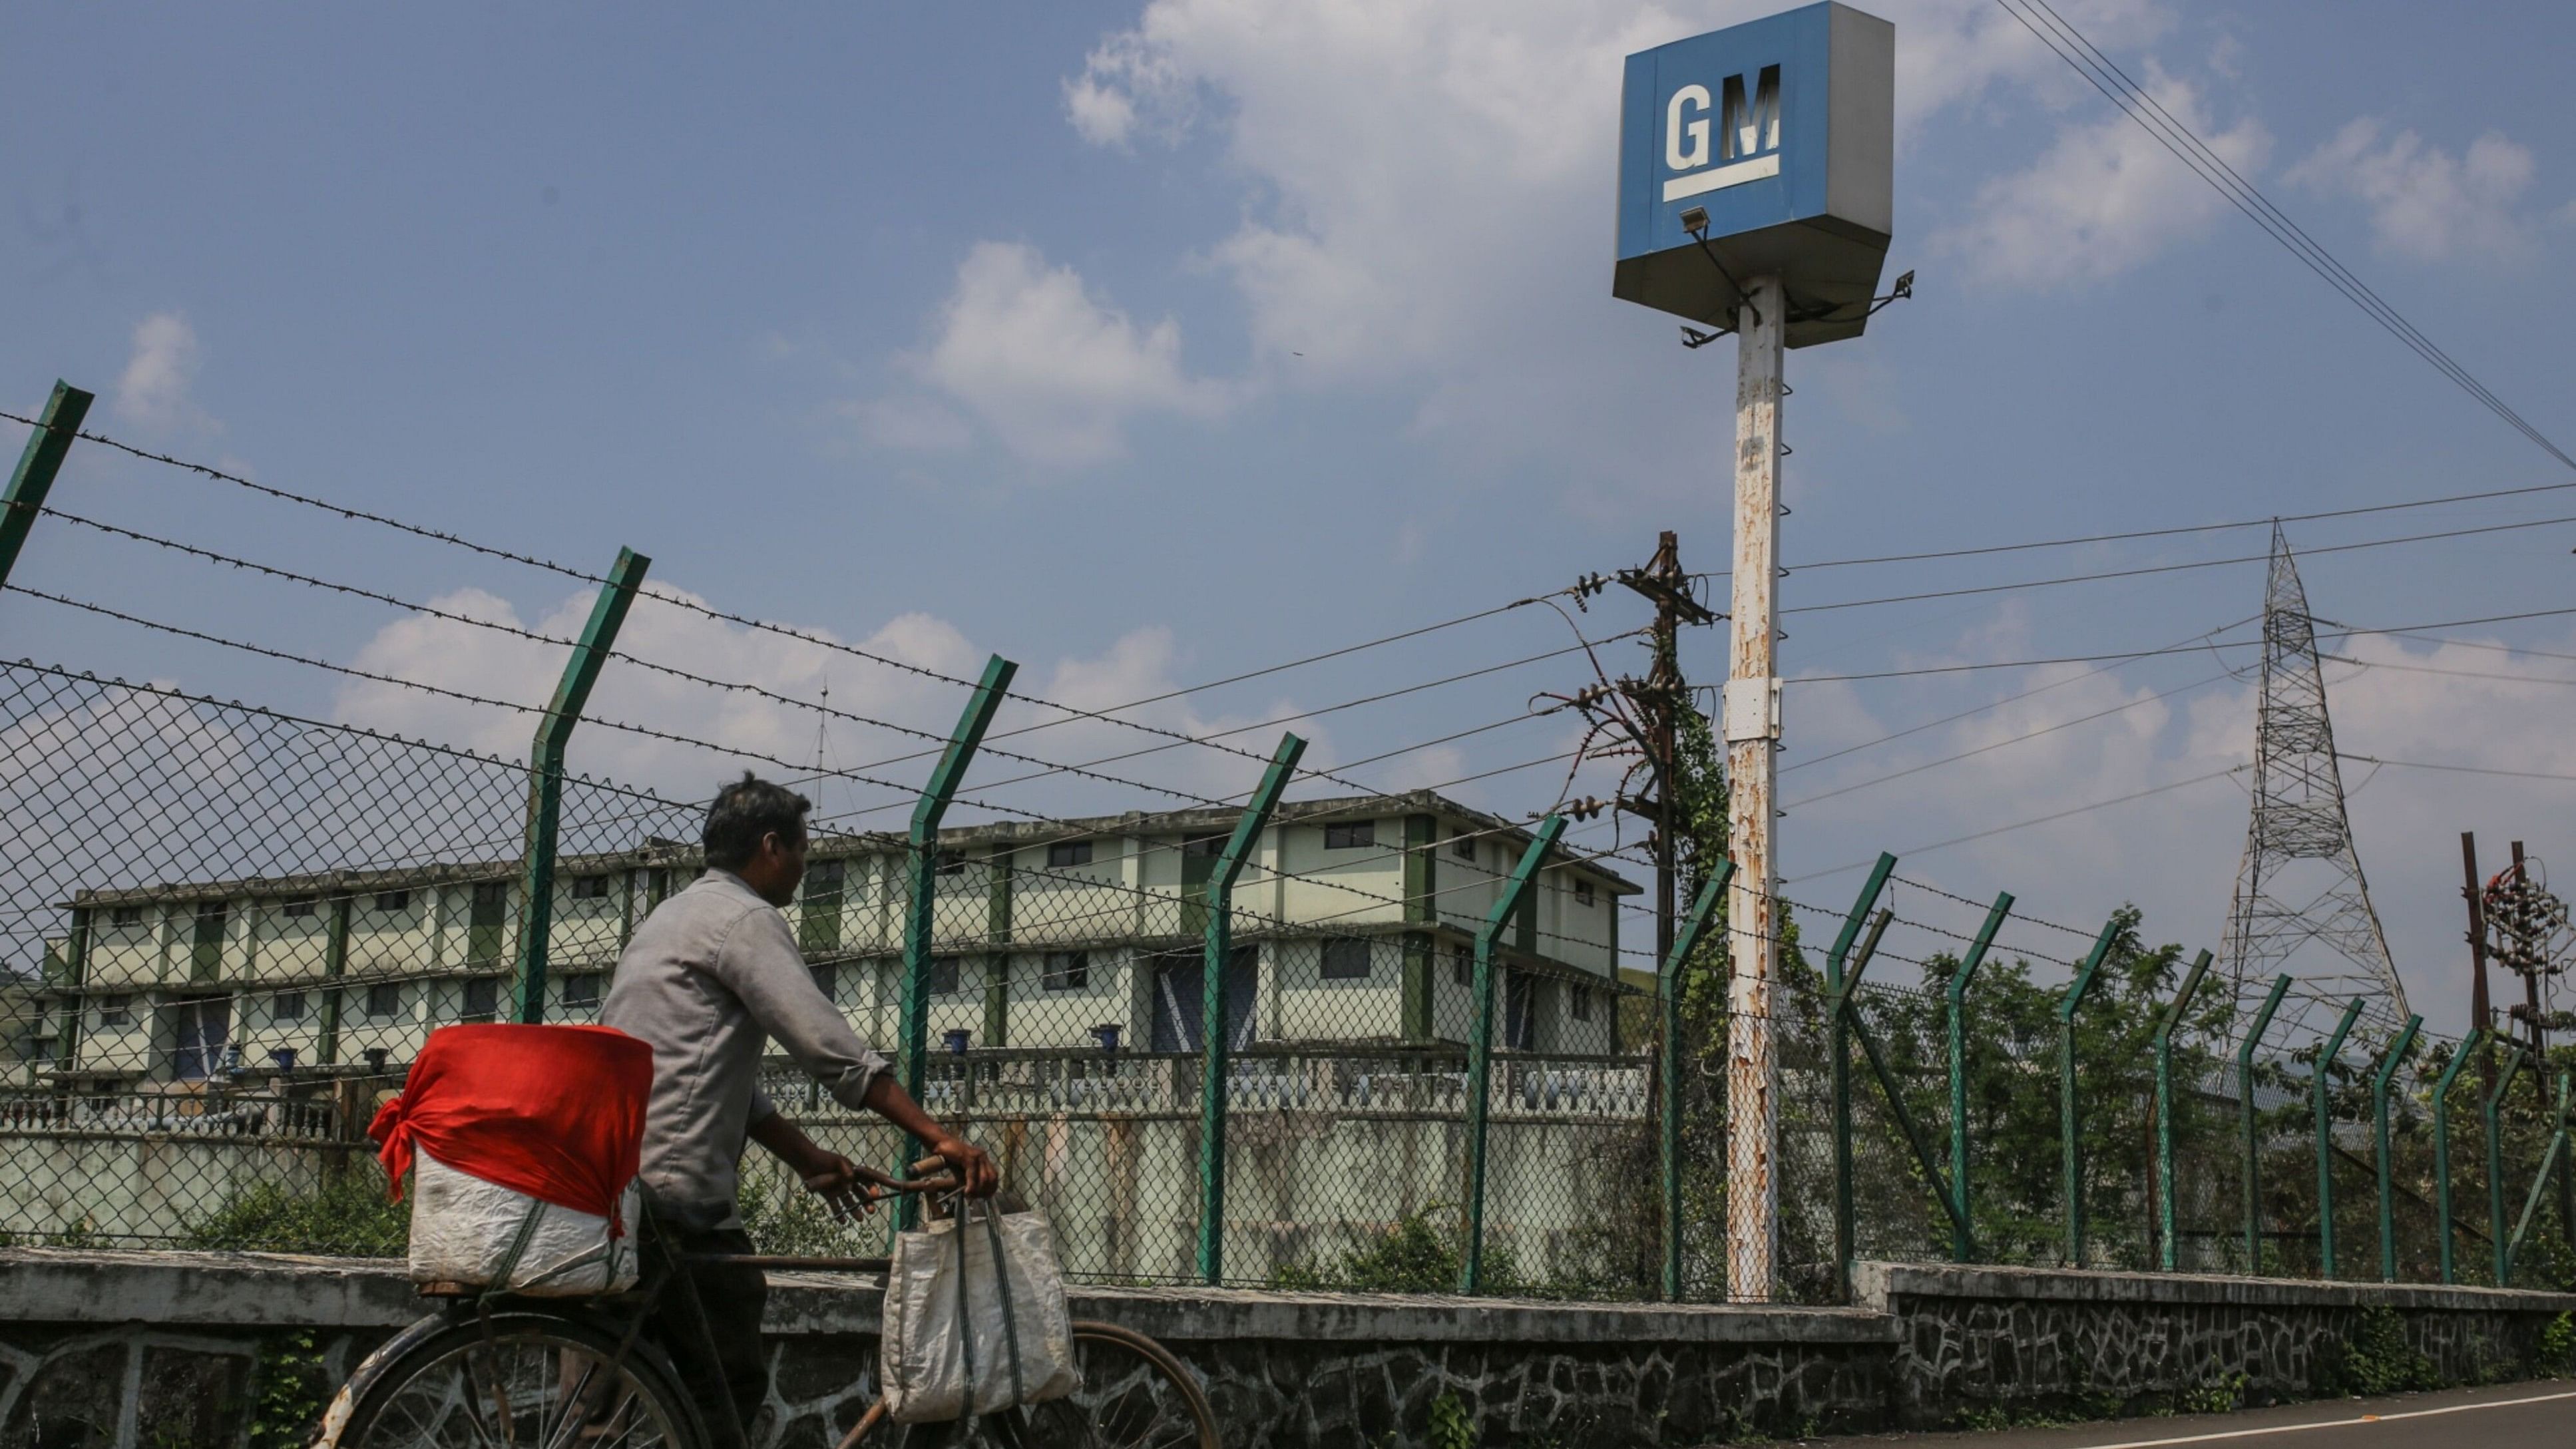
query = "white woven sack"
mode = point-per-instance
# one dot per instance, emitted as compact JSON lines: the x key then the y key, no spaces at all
{"x":462,"y":1228}
{"x":923,"y":1356}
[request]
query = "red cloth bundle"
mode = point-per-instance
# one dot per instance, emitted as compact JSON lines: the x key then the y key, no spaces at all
{"x":555,"y":1112}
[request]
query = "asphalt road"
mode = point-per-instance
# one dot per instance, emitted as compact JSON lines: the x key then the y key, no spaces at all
{"x":2511,"y":1416}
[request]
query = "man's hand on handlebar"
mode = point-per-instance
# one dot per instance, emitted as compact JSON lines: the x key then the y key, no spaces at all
{"x":971,"y":1165}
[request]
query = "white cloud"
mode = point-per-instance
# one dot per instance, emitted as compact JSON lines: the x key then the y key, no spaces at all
{"x":914,"y":424}
{"x":1052,"y":369}
{"x":1426,"y":186}
{"x":492,"y":664}
{"x":2425,"y":203}
{"x":2105,"y":197}
{"x":154,"y":388}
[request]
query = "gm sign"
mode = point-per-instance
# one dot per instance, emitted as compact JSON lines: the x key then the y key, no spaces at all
{"x":1751,"y":137}
{"x":1783,"y":130}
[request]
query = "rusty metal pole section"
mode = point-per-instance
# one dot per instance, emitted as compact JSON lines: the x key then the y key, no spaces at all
{"x":1751,"y":719}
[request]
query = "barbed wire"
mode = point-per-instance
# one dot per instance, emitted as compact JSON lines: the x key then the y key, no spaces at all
{"x":1070,"y":712}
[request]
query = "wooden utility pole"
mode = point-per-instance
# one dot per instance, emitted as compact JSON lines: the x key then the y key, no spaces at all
{"x":1659,"y":699}
{"x":1751,"y":719}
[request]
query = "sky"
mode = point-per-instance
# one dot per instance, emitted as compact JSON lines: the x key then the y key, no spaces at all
{"x":1148,"y":345}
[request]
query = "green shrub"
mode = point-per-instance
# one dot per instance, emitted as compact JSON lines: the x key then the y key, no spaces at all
{"x":2558,"y":1344}
{"x":2375,"y":1358}
{"x":347,"y":1215}
{"x":1451,"y":1427}
{"x":1416,"y":1255}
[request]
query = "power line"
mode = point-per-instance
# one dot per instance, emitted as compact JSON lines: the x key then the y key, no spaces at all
{"x":2453,"y":673}
{"x":2455,"y":769}
{"x":2123,"y":91}
{"x":1993,"y":704}
{"x":2012,"y":740}
{"x":2340,"y":631}
{"x":2207,"y":563}
{"x":2138,"y":533}
{"x":2037,"y":820}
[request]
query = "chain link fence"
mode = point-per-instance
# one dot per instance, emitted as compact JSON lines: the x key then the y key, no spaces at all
{"x":225,"y":932}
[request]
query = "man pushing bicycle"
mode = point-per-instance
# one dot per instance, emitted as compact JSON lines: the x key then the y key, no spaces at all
{"x":710,"y":979}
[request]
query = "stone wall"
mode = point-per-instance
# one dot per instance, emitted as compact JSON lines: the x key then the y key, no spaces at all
{"x":2058,"y":1341}
{"x":104,"y":1350}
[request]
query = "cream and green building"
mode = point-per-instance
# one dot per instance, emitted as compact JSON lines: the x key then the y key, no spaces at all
{"x":1355,"y":919}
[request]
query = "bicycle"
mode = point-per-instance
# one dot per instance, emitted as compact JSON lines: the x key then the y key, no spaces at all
{"x":494,"y":1370}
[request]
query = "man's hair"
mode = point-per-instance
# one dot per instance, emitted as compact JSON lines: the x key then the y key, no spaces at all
{"x":746,"y":810}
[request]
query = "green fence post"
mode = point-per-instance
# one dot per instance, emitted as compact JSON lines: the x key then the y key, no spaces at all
{"x":1960,"y":1246}
{"x":2322,"y":1088}
{"x":1840,"y":1012}
{"x":1668,"y":1002}
{"x":1845,"y":1228}
{"x":921,"y":897}
{"x":1480,"y":1044}
{"x":2469,"y":1047}
{"x":1212,"y":1015}
{"x":2379,"y":1083}
{"x":2495,"y":1159}
{"x":2069,"y":1121}
{"x":2168,"y":1249}
{"x":2540,"y":1183}
{"x":546,"y":772}
{"x":2253,"y":1135}
{"x":56,"y":426}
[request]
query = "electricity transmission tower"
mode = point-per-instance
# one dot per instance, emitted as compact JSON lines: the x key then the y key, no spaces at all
{"x":2301,"y":904}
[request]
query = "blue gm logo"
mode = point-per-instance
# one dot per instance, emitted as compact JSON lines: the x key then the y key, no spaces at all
{"x":1777,"y":139}
{"x":1747,"y":144}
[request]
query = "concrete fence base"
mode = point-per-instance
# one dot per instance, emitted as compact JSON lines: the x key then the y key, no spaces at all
{"x":111,"y":1350}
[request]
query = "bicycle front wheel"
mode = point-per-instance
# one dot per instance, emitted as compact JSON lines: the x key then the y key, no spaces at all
{"x":1134,"y":1395}
{"x":526,"y":1379}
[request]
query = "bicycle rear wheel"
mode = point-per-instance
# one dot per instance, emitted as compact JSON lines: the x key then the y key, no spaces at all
{"x":528,"y":1379}
{"x":1134,"y":1395}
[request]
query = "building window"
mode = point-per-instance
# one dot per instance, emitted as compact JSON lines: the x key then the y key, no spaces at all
{"x":581,"y":991}
{"x":1346,"y":960}
{"x":286,"y":1006}
{"x":1066,"y":971}
{"x":950,"y":862}
{"x":827,"y":979}
{"x":590,"y":887}
{"x":300,"y":906}
{"x":1462,"y":967}
{"x":116,"y":1011}
{"x":1578,"y":1002}
{"x":1463,"y":845}
{"x":1350,"y":834}
{"x":1205,"y":847}
{"x":391,"y":901}
{"x":1582,"y":891}
{"x":482,"y":999}
{"x":125,"y":916}
{"x":943,"y":976}
{"x":384,"y":1001}
{"x":1068,"y":852}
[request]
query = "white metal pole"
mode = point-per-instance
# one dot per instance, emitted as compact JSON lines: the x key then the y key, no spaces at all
{"x":1751,"y":721}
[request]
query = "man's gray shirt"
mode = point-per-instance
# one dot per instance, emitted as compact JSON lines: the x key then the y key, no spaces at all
{"x":711,"y":977}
